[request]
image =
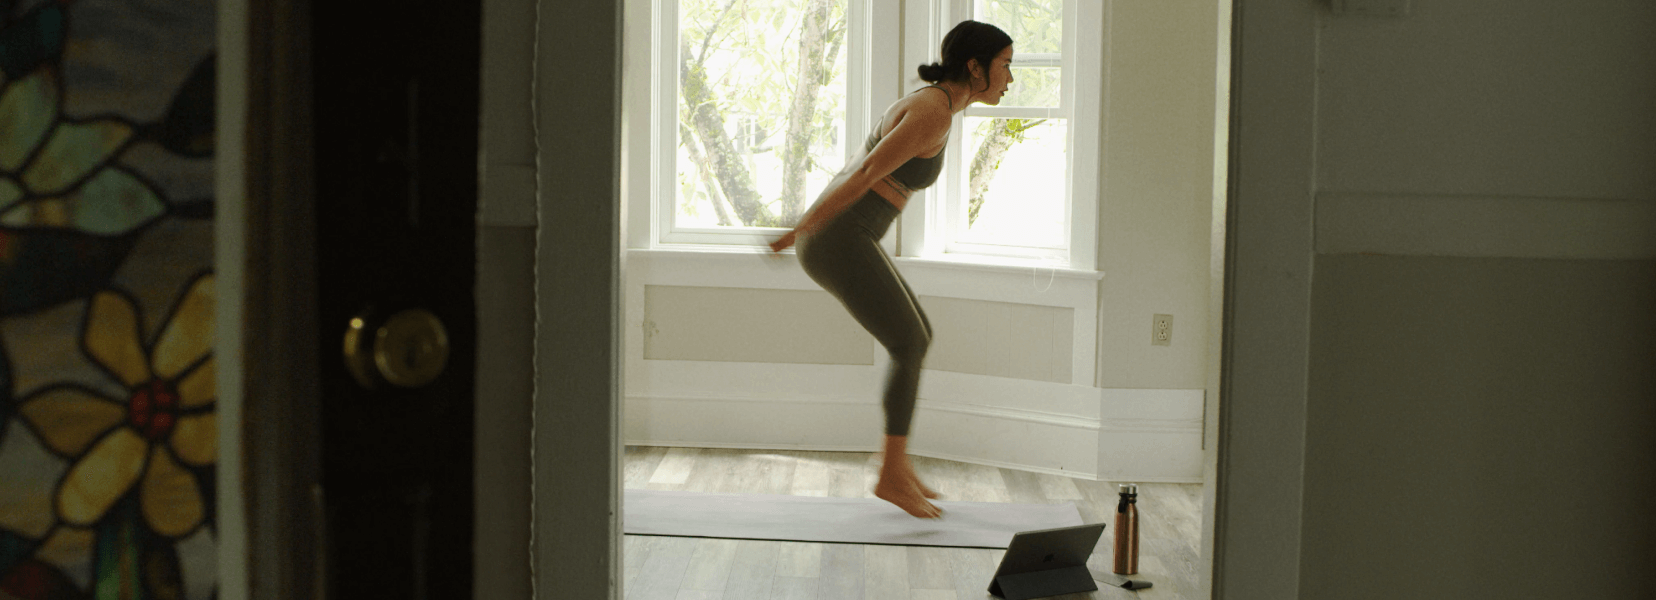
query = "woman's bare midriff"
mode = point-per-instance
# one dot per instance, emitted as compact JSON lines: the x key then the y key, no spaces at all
{"x":884,"y":188}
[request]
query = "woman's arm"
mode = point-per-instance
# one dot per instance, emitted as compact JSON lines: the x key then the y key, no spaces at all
{"x":917,"y":129}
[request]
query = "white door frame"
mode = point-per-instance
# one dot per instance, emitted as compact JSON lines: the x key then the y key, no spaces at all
{"x":1255,"y":484}
{"x":1252,"y":525}
{"x":577,"y":406}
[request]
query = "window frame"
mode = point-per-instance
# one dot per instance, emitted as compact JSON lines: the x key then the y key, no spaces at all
{"x":885,"y":42}
{"x":952,"y":197}
{"x":663,"y":102}
{"x":929,"y":226}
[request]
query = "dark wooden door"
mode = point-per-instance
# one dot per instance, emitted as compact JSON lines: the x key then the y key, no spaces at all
{"x":395,"y":92}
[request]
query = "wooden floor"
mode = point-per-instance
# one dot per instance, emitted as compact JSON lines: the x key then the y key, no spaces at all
{"x":669,"y":568}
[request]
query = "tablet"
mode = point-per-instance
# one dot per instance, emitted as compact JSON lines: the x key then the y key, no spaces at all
{"x":1047,"y":562}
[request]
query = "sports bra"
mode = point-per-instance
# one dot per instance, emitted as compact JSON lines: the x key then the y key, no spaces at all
{"x":917,"y":173}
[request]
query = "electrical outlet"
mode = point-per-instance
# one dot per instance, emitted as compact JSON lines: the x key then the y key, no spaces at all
{"x":1161,"y":330}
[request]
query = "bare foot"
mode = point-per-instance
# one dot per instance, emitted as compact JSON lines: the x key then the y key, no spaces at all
{"x":926,"y":491}
{"x":905,"y":492}
{"x":906,"y":471}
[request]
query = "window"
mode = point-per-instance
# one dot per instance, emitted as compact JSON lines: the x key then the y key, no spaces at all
{"x":754,"y":105}
{"x":1010,"y":179}
{"x":760,"y":101}
{"x":1019,"y":183}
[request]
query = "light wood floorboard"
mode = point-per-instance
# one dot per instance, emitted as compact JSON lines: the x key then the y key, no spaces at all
{"x":666,"y":568}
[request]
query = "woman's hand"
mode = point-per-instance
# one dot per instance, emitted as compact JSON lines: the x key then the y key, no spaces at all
{"x":782,"y":243}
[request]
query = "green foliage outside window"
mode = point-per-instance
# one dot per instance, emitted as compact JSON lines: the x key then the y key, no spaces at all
{"x":760,"y":106}
{"x":762,"y":99}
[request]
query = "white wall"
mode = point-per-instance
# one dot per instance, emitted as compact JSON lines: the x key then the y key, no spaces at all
{"x":1475,"y":422}
{"x":1439,"y":380}
{"x":1157,"y":190}
{"x":1482,"y":405}
{"x":1159,"y":90}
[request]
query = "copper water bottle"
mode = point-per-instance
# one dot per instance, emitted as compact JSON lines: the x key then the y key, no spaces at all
{"x":1126,"y":531}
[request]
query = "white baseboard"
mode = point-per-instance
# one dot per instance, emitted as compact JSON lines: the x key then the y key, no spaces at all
{"x":1075,"y":431}
{"x":1150,"y":436}
{"x":862,"y":448}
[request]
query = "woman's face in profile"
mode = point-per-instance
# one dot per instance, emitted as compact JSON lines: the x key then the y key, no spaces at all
{"x":1000,"y":77}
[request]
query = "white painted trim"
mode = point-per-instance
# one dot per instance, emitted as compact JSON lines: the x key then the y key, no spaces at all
{"x":749,"y":268}
{"x":1149,"y":435}
{"x":1131,"y":405}
{"x":724,"y":267}
{"x":1485,"y":226}
{"x":727,"y":266}
{"x":799,"y":400}
{"x":663,"y":107}
{"x":1143,"y":435}
{"x":1085,"y":70}
{"x":1153,"y":426}
{"x":1000,"y":436}
{"x":1261,"y":441}
{"x":576,"y":460}
{"x":919,"y":44}
{"x":875,"y":448}
{"x":230,"y":275}
{"x":868,"y":447}
{"x":1010,"y":414}
{"x":1087,"y":136}
{"x":1216,"y":293}
{"x":997,"y":265}
{"x":1071,"y":404}
{"x":642,"y":129}
{"x":507,"y":197}
{"x":973,"y":460}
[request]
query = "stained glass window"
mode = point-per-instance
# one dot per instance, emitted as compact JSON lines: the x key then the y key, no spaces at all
{"x":108,"y":434}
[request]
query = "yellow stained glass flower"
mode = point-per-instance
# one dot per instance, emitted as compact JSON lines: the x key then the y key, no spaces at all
{"x":148,"y":439}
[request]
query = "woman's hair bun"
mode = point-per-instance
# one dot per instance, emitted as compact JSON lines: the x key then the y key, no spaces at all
{"x":931,"y":72}
{"x":970,"y":41}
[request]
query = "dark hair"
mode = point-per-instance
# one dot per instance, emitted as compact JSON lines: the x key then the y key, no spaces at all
{"x":968,"y":40}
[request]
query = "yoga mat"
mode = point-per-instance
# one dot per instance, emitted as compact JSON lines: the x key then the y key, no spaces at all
{"x":835,"y":520}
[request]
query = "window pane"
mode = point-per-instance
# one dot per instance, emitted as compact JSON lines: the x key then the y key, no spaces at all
{"x":1016,"y":192}
{"x":1036,"y":26}
{"x":1034,"y":86}
{"x":760,"y":130}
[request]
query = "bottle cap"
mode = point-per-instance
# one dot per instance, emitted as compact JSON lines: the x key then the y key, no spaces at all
{"x":1128,"y":488}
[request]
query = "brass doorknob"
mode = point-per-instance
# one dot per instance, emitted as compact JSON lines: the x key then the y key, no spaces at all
{"x":409,"y":349}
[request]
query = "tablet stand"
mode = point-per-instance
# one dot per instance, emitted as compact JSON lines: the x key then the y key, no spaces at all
{"x":1040,"y":584}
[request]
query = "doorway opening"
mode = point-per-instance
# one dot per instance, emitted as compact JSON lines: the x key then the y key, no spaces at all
{"x":697,"y":372}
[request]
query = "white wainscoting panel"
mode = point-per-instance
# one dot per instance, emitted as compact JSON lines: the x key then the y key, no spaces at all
{"x":1042,"y":426}
{"x":1077,"y":431}
{"x":1001,"y":339}
{"x":820,"y":423}
{"x":721,"y":324}
{"x":769,"y":382}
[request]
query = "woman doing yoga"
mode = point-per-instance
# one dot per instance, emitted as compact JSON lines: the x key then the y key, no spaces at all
{"x":839,"y":237}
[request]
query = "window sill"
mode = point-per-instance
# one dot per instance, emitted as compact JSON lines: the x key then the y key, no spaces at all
{"x":998,"y":265}
{"x":694,"y":249}
{"x":974,"y":263}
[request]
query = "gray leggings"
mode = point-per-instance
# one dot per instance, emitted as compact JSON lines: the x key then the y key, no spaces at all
{"x":846,"y":259}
